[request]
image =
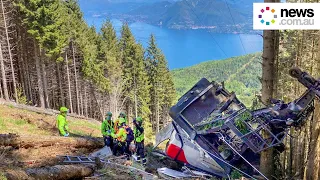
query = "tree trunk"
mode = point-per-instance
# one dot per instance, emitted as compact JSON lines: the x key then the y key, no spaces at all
{"x":158,"y":115}
{"x":9,"y":51}
{"x":45,"y":141}
{"x":21,"y":60}
{"x":1,"y":94}
{"x":81,"y":98}
{"x":61,"y":97}
{"x":3,"y":75}
{"x":53,"y":173}
{"x":69,"y":84}
{"x":85,"y":100}
{"x":76,"y":79}
{"x":45,"y":83}
{"x":101,"y":114}
{"x":270,"y":46}
{"x":26,"y":66}
{"x":39,"y":77}
{"x":290,"y":159}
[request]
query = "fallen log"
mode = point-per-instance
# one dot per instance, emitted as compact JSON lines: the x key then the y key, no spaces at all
{"x":53,"y":173}
{"x":24,"y":141}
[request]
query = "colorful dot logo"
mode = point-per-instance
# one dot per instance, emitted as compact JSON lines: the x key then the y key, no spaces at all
{"x":263,"y":16}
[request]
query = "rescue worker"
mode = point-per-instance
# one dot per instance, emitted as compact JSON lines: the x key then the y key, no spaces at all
{"x":116,"y":122}
{"x":62,"y":123}
{"x":120,"y":137}
{"x":106,"y":130}
{"x":123,"y":115}
{"x":130,"y":138}
{"x":139,"y":140}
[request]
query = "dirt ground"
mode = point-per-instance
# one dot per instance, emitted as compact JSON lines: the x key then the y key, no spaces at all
{"x":22,"y":122}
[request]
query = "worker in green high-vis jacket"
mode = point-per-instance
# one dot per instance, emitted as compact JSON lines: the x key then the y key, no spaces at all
{"x":106,"y":130}
{"x":62,"y":122}
{"x":138,"y":132}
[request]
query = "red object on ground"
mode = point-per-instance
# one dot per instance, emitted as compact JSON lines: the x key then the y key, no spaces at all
{"x":173,"y":151}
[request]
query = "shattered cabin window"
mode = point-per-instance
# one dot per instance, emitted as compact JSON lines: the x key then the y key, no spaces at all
{"x":202,"y":109}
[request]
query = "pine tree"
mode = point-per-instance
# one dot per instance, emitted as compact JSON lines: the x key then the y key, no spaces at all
{"x":109,"y":52}
{"x":127,"y":49}
{"x":141,"y":89}
{"x":162,"y":90}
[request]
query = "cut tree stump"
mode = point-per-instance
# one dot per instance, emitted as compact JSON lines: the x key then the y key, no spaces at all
{"x":53,"y":173}
{"x":45,"y":141}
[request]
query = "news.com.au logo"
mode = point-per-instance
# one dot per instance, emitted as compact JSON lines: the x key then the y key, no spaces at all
{"x":274,"y":16}
{"x":263,"y":14}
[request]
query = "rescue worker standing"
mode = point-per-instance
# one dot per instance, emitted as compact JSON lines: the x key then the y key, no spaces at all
{"x":62,"y":123}
{"x":120,"y":137}
{"x":139,"y":140}
{"x":107,"y":129}
{"x":130,"y":138}
{"x":124,"y":116}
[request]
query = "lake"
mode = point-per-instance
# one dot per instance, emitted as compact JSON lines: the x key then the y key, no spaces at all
{"x":184,"y":48}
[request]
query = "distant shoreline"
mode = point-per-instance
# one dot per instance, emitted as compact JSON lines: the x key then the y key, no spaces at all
{"x":228,"y":29}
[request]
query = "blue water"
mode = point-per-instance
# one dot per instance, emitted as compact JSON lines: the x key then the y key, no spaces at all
{"x":184,"y":48}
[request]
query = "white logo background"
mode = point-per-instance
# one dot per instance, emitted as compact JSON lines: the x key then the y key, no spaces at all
{"x":276,"y":22}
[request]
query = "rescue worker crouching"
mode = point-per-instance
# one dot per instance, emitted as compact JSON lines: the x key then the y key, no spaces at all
{"x":120,"y":137}
{"x":106,"y":130}
{"x":139,"y":140}
{"x":62,"y":122}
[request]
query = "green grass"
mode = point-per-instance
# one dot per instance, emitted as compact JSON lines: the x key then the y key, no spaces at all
{"x":85,"y":124}
{"x":2,"y":177}
{"x":2,"y":125}
{"x":79,"y":133}
{"x":19,"y":122}
{"x":9,"y":125}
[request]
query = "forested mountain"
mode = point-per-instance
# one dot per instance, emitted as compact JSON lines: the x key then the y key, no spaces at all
{"x":198,"y":13}
{"x":219,"y":15}
{"x":240,"y":74}
{"x":50,"y":58}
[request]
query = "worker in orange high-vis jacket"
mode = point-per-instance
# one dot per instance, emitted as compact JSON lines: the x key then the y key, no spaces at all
{"x":120,"y":138}
{"x":121,"y":115}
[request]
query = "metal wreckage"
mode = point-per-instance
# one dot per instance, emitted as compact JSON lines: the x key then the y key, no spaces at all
{"x":214,"y":133}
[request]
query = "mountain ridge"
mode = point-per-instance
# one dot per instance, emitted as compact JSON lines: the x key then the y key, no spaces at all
{"x":226,"y":16}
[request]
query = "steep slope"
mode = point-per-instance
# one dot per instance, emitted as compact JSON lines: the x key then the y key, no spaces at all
{"x":241,"y":75}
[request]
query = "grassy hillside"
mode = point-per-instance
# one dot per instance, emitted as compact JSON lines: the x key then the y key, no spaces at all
{"x":42,"y":154}
{"x":240,"y":74}
{"x":17,"y":121}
